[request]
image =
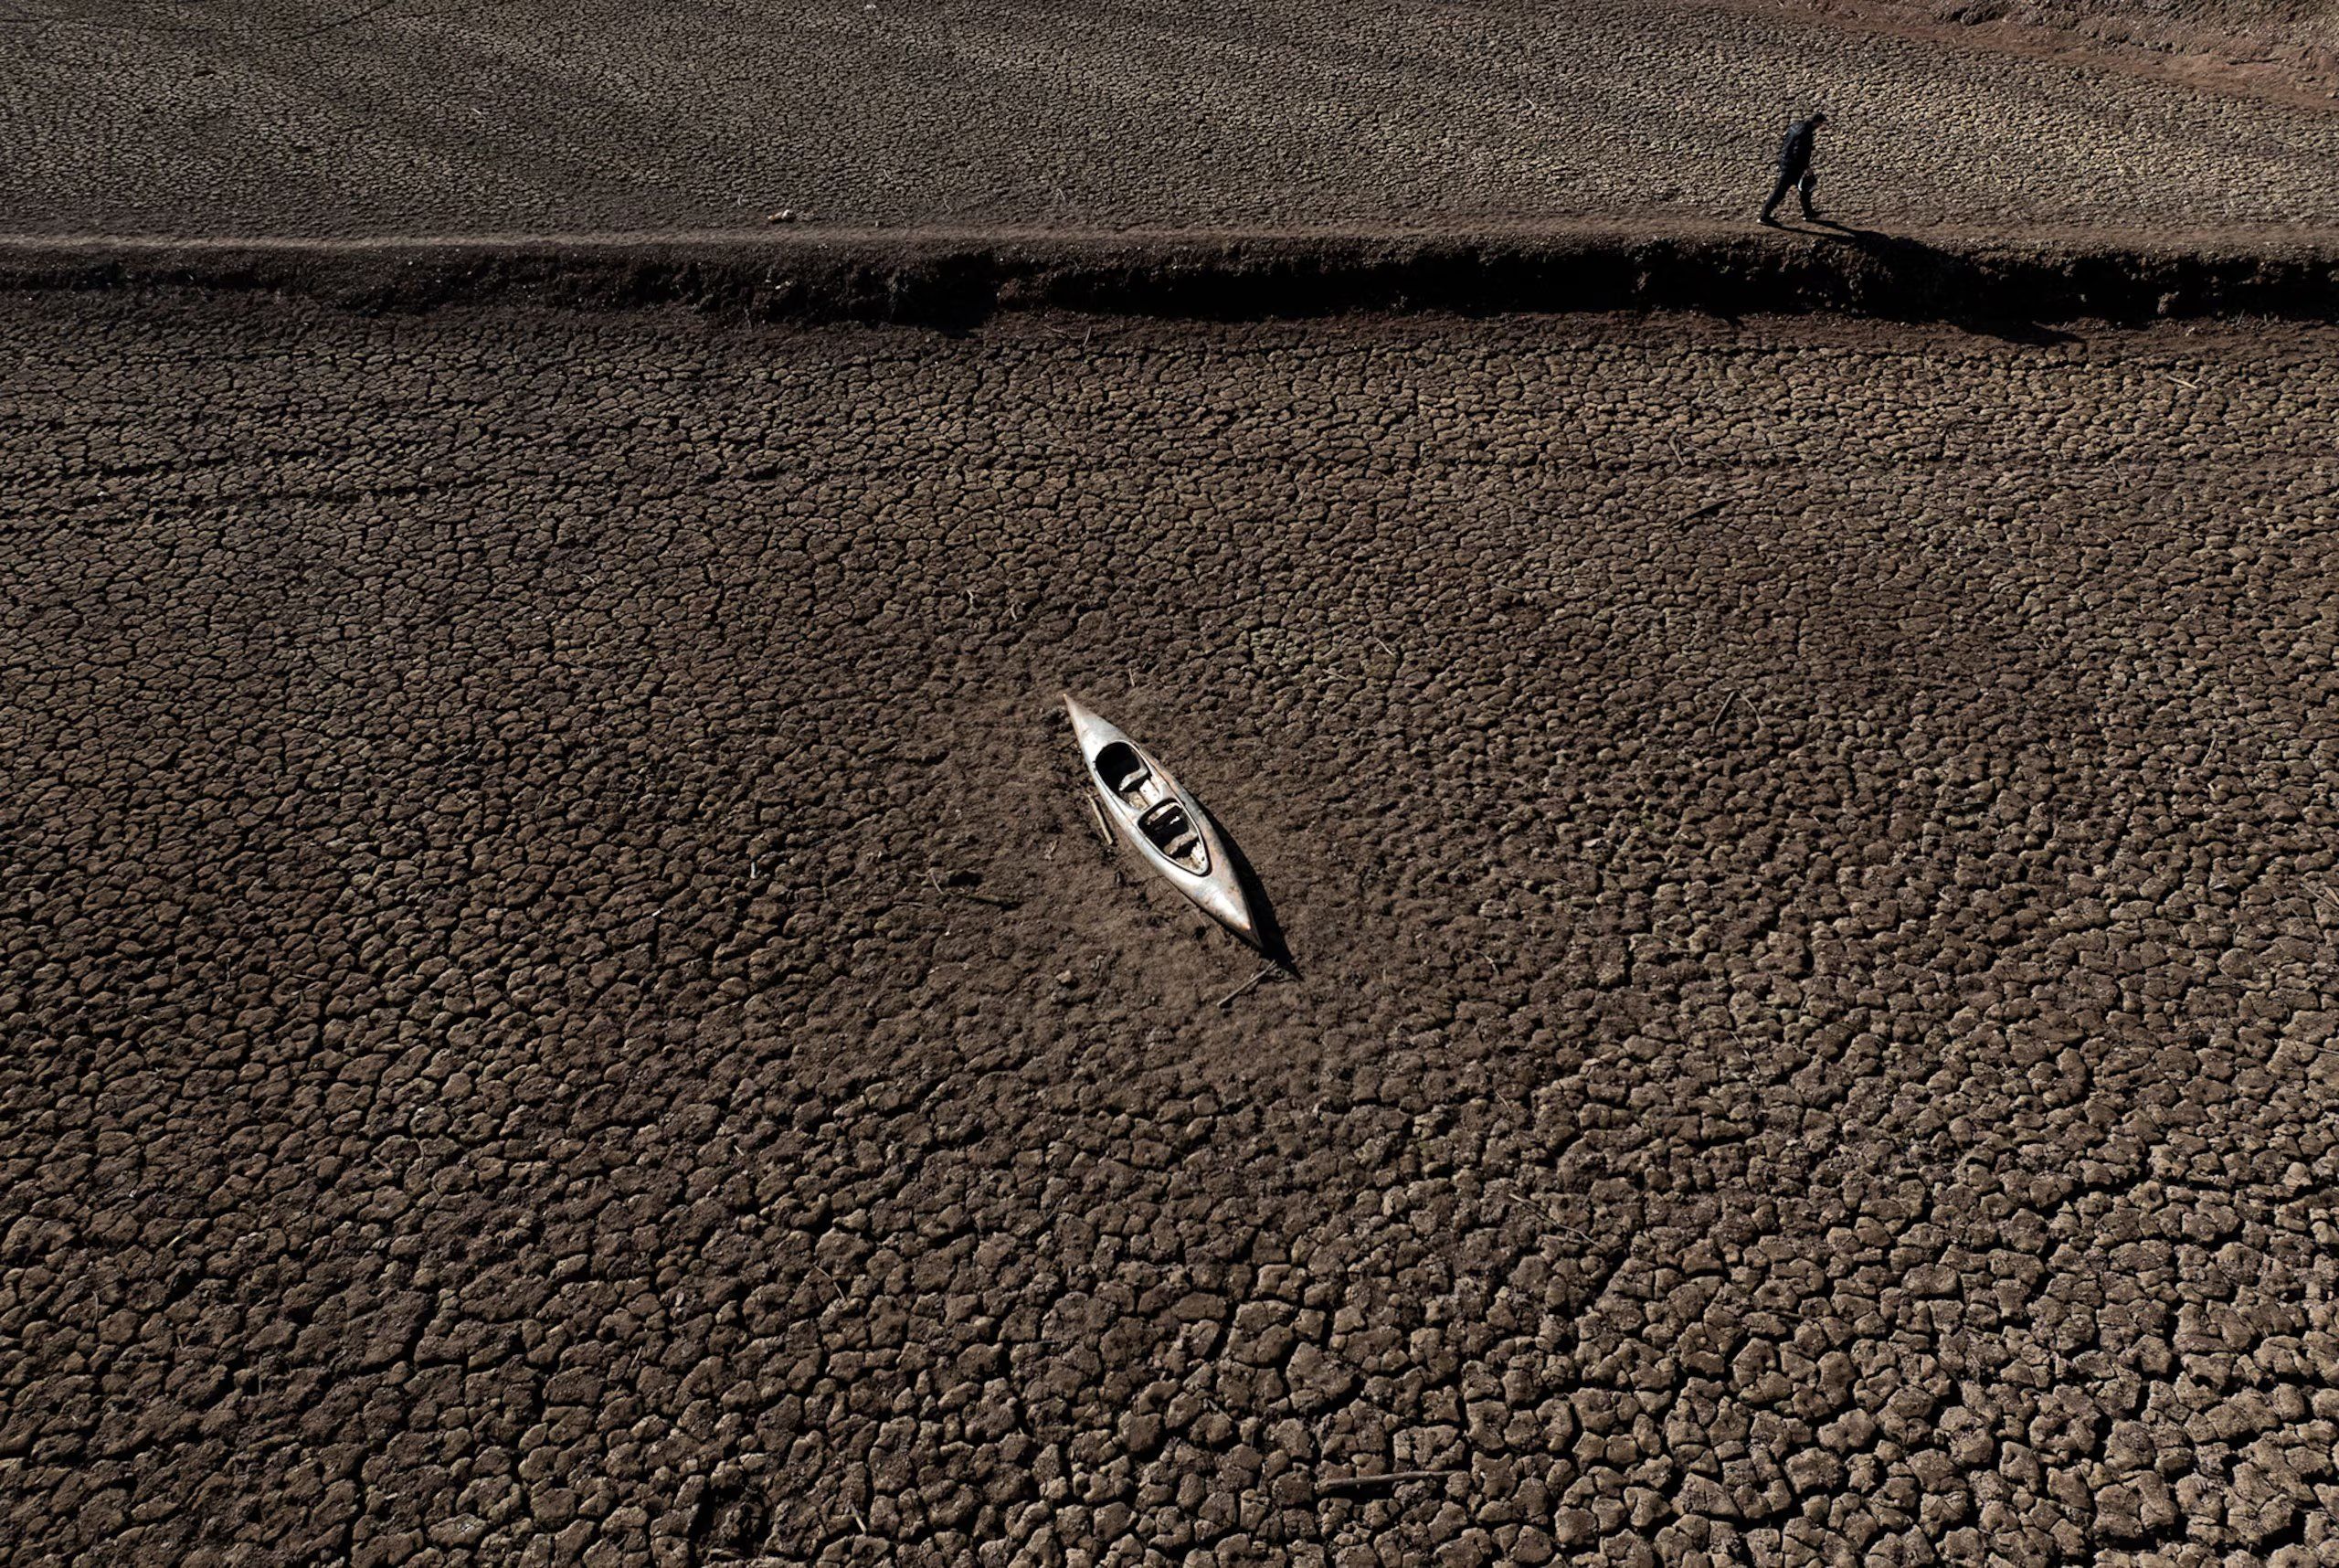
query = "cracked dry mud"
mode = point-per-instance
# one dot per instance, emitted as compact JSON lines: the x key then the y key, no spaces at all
{"x":418,"y":116}
{"x":1808,"y":849}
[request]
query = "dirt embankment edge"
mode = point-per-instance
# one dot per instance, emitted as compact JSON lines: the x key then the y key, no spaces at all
{"x":962,"y":279}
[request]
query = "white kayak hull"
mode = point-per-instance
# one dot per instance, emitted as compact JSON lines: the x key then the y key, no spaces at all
{"x":1166,"y":827}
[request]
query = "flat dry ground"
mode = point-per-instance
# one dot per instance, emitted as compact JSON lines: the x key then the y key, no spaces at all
{"x":563,"y":1005}
{"x":418,"y":116}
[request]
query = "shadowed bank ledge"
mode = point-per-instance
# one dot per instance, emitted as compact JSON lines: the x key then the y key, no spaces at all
{"x":961,"y":278}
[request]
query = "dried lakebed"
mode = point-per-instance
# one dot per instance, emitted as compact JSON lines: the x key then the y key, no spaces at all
{"x":563,"y":1004}
{"x":552,"y":116}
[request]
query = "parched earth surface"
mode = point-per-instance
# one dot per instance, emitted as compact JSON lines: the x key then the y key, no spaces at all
{"x":563,"y":1004}
{"x":341,"y":117}
{"x":2287,"y":49}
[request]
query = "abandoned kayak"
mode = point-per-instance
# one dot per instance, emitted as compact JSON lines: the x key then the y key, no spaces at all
{"x":1166,"y":826}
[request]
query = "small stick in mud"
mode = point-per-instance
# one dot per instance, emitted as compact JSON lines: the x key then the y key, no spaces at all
{"x":1096,"y":815}
{"x":1541,"y":1208}
{"x":1228,"y":1000}
{"x":1394,"y":1478}
{"x":1722,"y":712}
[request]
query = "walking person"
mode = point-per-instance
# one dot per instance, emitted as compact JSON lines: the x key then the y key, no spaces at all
{"x":1794,"y":166}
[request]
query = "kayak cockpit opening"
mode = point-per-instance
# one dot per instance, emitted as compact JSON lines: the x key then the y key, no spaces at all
{"x":1168,"y":828}
{"x":1124,"y":771}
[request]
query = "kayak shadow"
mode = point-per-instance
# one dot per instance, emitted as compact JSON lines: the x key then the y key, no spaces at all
{"x":1273,"y":945}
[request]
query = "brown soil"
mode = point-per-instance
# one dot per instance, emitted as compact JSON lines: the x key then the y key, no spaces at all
{"x":323,"y":117}
{"x":562,"y":1005}
{"x":2285,"y":51}
{"x":960,"y":278}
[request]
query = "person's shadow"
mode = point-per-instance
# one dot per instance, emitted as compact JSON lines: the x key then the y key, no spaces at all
{"x":1925,"y":282}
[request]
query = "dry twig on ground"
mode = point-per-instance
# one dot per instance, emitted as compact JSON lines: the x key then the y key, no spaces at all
{"x":1228,"y":1000}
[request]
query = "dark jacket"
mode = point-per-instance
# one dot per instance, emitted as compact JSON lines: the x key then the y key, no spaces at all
{"x":1795,"y":150}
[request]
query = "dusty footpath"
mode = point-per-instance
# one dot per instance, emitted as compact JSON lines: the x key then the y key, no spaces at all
{"x":563,"y":1006}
